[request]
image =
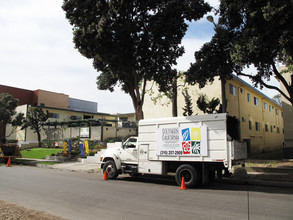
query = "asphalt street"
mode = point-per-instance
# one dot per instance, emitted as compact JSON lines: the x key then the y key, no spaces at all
{"x":80,"y":195}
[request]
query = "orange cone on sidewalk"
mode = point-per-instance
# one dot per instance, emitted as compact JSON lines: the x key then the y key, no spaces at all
{"x":105,"y":175}
{"x":9,"y":162}
{"x":183,"y":184}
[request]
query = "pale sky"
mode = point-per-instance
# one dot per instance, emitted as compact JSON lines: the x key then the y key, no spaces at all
{"x":36,"y":52}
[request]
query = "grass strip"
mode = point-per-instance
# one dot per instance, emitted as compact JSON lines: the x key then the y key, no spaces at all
{"x":39,"y":153}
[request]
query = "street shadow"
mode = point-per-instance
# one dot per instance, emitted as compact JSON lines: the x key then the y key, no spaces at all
{"x":218,"y":185}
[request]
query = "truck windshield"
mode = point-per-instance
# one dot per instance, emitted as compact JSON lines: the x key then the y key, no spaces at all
{"x":130,"y":143}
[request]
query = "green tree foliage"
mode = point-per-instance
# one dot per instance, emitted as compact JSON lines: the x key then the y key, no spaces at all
{"x":257,"y":33}
{"x":34,"y":119}
{"x":187,"y":109}
{"x":209,"y":107}
{"x":132,"y":42}
{"x":8,"y":115}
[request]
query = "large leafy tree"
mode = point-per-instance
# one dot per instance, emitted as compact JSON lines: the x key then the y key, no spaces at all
{"x":8,"y":115}
{"x":132,"y":42}
{"x":257,"y":33}
{"x":35,"y":119}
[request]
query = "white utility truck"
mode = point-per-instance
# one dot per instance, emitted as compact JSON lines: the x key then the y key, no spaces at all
{"x":193,"y":147}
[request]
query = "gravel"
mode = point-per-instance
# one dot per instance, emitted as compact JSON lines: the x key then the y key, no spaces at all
{"x":15,"y":212}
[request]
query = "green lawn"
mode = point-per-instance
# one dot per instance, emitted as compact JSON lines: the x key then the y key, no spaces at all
{"x":39,"y":153}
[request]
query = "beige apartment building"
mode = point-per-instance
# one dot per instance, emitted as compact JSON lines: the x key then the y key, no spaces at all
{"x":261,"y":118}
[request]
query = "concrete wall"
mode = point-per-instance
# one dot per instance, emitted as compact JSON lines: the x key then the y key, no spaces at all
{"x":60,"y":134}
{"x":66,"y":132}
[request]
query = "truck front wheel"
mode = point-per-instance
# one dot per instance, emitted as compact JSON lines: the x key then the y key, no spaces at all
{"x":190,"y":174}
{"x":110,"y":169}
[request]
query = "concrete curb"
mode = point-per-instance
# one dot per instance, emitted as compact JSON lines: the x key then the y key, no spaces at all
{"x":256,"y":182}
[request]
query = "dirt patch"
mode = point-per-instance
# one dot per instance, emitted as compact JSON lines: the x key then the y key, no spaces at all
{"x":15,"y":212}
{"x":269,"y":163}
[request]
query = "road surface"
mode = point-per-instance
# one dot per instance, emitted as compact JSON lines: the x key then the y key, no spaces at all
{"x":77,"y":195}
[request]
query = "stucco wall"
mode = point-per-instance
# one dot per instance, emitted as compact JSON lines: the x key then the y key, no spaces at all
{"x":288,"y":113}
{"x":237,"y":105}
{"x":162,"y":107}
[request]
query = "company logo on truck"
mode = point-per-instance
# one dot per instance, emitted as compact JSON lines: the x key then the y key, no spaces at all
{"x":190,"y":141}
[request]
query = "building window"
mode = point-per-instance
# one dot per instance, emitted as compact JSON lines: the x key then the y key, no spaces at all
{"x":248,"y":97}
{"x":250,"y":125}
{"x":123,"y":118}
{"x":232,"y":89}
{"x":256,"y":101}
{"x":257,"y":126}
{"x":242,"y":90}
{"x":243,"y":119}
{"x":53,"y":115}
{"x":265,"y":106}
{"x":271,"y":128}
{"x":278,"y":130}
{"x":266,"y":127}
{"x":277,"y":112}
{"x":75,"y":117}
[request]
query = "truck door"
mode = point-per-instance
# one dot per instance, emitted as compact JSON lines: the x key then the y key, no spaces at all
{"x":129,"y":152}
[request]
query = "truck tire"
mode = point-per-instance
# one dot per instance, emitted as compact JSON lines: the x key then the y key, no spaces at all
{"x":110,"y":169}
{"x":190,"y":174}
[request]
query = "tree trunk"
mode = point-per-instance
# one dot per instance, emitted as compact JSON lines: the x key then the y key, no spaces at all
{"x":2,"y":133}
{"x":224,"y":100}
{"x":174,"y":98}
{"x":39,"y":138}
{"x":139,"y":112}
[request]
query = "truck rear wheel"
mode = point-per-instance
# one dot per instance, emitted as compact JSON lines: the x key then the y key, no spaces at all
{"x":110,"y":169}
{"x":190,"y":174}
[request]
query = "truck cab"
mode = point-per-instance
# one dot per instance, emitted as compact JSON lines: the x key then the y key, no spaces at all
{"x":122,"y":159}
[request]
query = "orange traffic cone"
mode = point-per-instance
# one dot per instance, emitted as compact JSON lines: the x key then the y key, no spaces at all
{"x":183,"y":184}
{"x":105,"y":175}
{"x":9,"y":162}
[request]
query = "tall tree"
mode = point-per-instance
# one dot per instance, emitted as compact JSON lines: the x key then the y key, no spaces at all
{"x":132,"y":42}
{"x":8,"y":115}
{"x":187,"y":109}
{"x":34,"y":119}
{"x":248,"y":33}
